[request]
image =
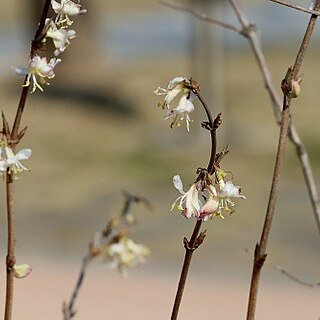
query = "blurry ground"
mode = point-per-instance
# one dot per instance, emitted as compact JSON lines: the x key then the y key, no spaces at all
{"x":96,"y":131}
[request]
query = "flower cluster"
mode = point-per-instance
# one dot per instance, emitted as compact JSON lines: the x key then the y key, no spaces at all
{"x":10,"y":162}
{"x":217,"y":197}
{"x":40,"y":69}
{"x":178,"y":86}
{"x":125,"y":254}
{"x":116,"y":249}
{"x":113,"y":244}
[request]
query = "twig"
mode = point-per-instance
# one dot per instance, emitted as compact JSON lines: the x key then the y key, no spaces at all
{"x":260,"y":251}
{"x":199,"y":16}
{"x":13,"y":140}
{"x":196,"y":238}
{"x":296,"y":279}
{"x":36,"y":42}
{"x":10,"y":260}
{"x":190,"y":247}
{"x":68,"y":309}
{"x":293,"y":6}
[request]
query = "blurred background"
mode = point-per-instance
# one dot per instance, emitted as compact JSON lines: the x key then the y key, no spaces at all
{"x":96,"y":130}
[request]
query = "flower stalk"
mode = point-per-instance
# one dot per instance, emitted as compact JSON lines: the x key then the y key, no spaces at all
{"x":196,"y":238}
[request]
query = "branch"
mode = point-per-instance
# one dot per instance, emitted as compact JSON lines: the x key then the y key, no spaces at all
{"x":296,"y":279}
{"x":68,"y":308}
{"x":293,"y":6}
{"x":260,"y":251}
{"x":200,"y":16}
{"x":24,"y":93}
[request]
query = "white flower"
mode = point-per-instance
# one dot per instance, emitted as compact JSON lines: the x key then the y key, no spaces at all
{"x":188,"y":202}
{"x":61,"y":37}
{"x":227,"y":191}
{"x":65,"y":9}
{"x":126,"y":254}
{"x":181,"y":112}
{"x":11,"y":161}
{"x":38,"y":67}
{"x":211,"y":206}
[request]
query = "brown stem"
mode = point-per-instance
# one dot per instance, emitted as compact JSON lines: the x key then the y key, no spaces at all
{"x":213,"y":128}
{"x":190,"y":247}
{"x":195,"y":239}
{"x":10,"y":260}
{"x":293,"y":6}
{"x":199,"y":16}
{"x":260,"y":252}
{"x":24,"y":92}
{"x":68,"y":310}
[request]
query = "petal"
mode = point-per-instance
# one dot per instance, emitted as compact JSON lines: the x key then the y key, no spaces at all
{"x":177,"y":182}
{"x":23,"y":154}
{"x":172,"y":94}
{"x":176,"y":81}
{"x":185,"y":105}
{"x":21,"y":71}
{"x":55,"y":5}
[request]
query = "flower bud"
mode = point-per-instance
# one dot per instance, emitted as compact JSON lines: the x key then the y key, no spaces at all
{"x":295,"y":89}
{"x":21,"y":271}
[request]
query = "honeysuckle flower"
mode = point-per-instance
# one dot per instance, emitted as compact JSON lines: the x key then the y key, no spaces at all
{"x":11,"y":161}
{"x":21,"y":271}
{"x":211,"y":205}
{"x":38,"y":68}
{"x":181,"y":112}
{"x":227,"y":191}
{"x":61,"y":37}
{"x":188,"y":202}
{"x":65,"y":9}
{"x":185,"y":106}
{"x":126,"y":254}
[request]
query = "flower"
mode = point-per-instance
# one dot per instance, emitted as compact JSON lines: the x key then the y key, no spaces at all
{"x":189,"y":202}
{"x":217,"y":197}
{"x":11,"y":161}
{"x":185,"y":106}
{"x":38,"y":67}
{"x":21,"y":271}
{"x":212,"y":204}
{"x":126,"y":254}
{"x":227,"y":191}
{"x":181,"y":112}
{"x":61,"y":37}
{"x":65,"y":9}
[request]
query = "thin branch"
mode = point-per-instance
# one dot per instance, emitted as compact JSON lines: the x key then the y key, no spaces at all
{"x":10,"y":260}
{"x":24,"y":92}
{"x":293,"y":6}
{"x":68,"y":308}
{"x":190,"y":247}
{"x":260,"y":251}
{"x":295,"y":278}
{"x":196,"y":238}
{"x":199,"y":16}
